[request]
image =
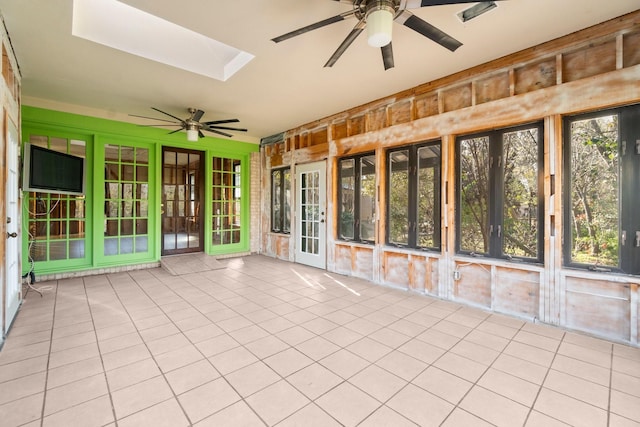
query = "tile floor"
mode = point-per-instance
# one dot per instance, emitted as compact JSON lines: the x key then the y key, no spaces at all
{"x":265,"y":342}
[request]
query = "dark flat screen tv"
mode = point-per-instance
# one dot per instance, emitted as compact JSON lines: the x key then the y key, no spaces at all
{"x":49,"y":171}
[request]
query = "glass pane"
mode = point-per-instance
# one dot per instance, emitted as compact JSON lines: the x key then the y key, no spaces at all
{"x":428,"y":197}
{"x":595,"y":191}
{"x":276,"y":208}
{"x":367,"y":197}
{"x":399,"y":197}
{"x":142,"y":244}
{"x":520,"y":211}
{"x":76,"y":249}
{"x":347,"y":201}
{"x":286,"y":209}
{"x":474,"y":195}
{"x":58,"y":250}
{"x":126,"y":245}
{"x":111,"y":153}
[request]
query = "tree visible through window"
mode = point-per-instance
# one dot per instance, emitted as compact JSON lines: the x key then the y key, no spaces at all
{"x":602,"y":170}
{"x":500,"y":193}
{"x":281,"y":200}
{"x":414,"y":196}
{"x":357,"y":198}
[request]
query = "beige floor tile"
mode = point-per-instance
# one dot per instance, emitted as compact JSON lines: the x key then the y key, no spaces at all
{"x":569,"y":410}
{"x":421,"y":350}
{"x":384,"y":416}
{"x":317,"y":348}
{"x":520,"y":368}
{"x":22,"y":387}
{"x":342,"y":336}
{"x":541,"y":329}
{"x":164,"y":414}
{"x":616,"y":420}
{"x":625,"y":383}
{"x":537,"y":419}
{"x":191,"y":376}
{"x":71,"y":341}
{"x":115,"y":331}
{"x":419,"y":406}
{"x":19,"y":340}
{"x":140,"y":396}
{"x":627,"y":366}
{"x":540,"y":341}
{"x":167,"y":344}
{"x":118,"y":343}
{"x":497,"y":329}
{"x":295,"y":335}
{"x":464,"y":319}
{"x":125,"y":357}
{"x":461,"y":367}
{"x":267,"y":346}
{"x":234,"y":323}
{"x":68,"y":395}
{"x":588,"y":342}
{"x":208,"y":399}
{"x":577,"y":388}
{"x":232,"y":360}
{"x":452,"y":329}
{"x":16,"y":354}
{"x":494,"y":408}
{"x":238,"y":415}
{"x":530,"y":353}
{"x":314,"y":380}
{"x":288,"y":361}
{"x":486,"y":339}
{"x":402,"y":365}
{"x":72,"y":355}
{"x":217,"y":345}
{"x":73,"y":329}
{"x":175,"y":359}
{"x":22,"y":411}
{"x":277,"y":324}
{"x":584,"y":354}
{"x":74,"y":372}
{"x":443,"y":384}
{"x":378,"y":383}
{"x":347,"y":404}
{"x":509,"y":386}
{"x":12,"y":371}
{"x":584,"y":370}
{"x":461,"y":418}
{"x":132,"y":374}
{"x":157,"y":332}
{"x":277,"y":402}
{"x":309,"y":416}
{"x":249,"y":334}
{"x":94,"y":413}
{"x":626,"y":405}
{"x":344,"y":363}
{"x":252,"y":378}
{"x":369,"y":349}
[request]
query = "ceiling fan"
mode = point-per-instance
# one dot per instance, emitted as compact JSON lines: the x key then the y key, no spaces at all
{"x":378,"y":16}
{"x":193,"y":125}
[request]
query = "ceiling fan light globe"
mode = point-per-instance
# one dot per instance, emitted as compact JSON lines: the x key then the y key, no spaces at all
{"x":379,"y":27}
{"x":192,"y":134}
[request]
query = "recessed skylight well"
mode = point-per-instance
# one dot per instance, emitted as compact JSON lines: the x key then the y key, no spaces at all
{"x":477,"y":10}
{"x":120,"y":26}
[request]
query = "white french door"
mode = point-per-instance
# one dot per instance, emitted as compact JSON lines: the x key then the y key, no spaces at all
{"x":11,"y":288}
{"x":311,"y":235}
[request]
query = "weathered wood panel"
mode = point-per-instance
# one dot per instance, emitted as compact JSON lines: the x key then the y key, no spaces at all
{"x":357,"y":125}
{"x":457,"y":97}
{"x":589,"y":62}
{"x":517,"y":292}
{"x":400,"y":112}
{"x":492,"y":88}
{"x":319,"y":136}
{"x":354,"y":260}
{"x":340,"y":130}
{"x":426,"y":105}
{"x":278,"y":246}
{"x":396,"y":269}
{"x":535,"y":76}
{"x":377,"y":119}
{"x":598,"y":306}
{"x":631,"y":50}
{"x":474,"y":285}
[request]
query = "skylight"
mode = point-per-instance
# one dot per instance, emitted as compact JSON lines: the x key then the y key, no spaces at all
{"x":120,"y":26}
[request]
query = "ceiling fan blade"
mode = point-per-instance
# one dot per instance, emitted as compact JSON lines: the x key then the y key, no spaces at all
{"x":224,"y":127}
{"x":216,"y":122}
{"x":414,"y":4}
{"x":170,"y":115}
{"x":346,"y":43}
{"x":200,"y":134}
{"x":175,"y":131}
{"x":219,"y":132}
{"x":153,"y":118}
{"x":387,"y":56}
{"x":315,"y":26}
{"x":410,"y":20}
{"x":160,"y":125}
{"x":197,"y":115}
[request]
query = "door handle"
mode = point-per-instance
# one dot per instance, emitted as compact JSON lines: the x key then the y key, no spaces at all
{"x":14,"y":234}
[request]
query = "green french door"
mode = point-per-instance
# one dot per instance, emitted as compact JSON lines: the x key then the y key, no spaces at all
{"x":182,"y":195}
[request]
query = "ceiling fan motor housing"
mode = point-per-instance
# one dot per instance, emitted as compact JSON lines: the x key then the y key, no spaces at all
{"x":379,"y":15}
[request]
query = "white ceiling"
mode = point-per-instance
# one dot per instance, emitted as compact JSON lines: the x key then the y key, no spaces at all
{"x":285,"y":85}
